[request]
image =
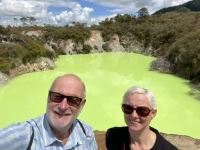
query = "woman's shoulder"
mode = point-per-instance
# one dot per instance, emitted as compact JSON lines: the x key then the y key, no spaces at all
{"x":116,"y":137}
{"x":161,"y":142}
{"x":117,"y":131}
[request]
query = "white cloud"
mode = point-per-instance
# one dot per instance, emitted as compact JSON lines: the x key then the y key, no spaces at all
{"x":73,"y":10}
{"x":128,"y":6}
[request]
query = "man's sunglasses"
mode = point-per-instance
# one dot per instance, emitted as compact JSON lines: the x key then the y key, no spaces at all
{"x":141,"y":111}
{"x":71,"y":100}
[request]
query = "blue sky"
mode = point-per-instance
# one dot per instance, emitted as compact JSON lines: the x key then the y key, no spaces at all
{"x":62,"y":12}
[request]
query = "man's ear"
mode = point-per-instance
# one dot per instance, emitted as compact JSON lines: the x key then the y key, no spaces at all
{"x":83,"y":103}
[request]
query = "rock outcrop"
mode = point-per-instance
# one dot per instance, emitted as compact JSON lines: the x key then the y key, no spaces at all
{"x":42,"y":65}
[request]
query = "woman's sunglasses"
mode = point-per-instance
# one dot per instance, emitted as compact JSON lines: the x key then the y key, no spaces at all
{"x":71,"y":100}
{"x":141,"y":111}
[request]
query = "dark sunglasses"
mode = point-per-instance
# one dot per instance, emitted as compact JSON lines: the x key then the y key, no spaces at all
{"x":71,"y":100}
{"x":141,"y":111}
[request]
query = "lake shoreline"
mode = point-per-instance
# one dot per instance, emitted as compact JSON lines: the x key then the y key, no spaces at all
{"x":43,"y":65}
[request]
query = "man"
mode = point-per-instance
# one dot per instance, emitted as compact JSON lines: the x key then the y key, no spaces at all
{"x":57,"y":129}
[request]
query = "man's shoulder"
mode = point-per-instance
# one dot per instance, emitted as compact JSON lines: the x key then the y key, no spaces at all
{"x":84,"y":124}
{"x":18,"y":126}
{"x":82,"y":127}
{"x":22,"y":125}
{"x":15,"y":133}
{"x":37,"y":119}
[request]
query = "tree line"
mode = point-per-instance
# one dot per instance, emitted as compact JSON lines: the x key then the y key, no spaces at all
{"x":193,"y":5}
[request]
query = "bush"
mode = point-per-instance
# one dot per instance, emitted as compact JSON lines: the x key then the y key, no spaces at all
{"x":106,"y":47}
{"x":34,"y":51}
{"x":5,"y":65}
{"x":57,"y":50}
{"x":86,"y":49}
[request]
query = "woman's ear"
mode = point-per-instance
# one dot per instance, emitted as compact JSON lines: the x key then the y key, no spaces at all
{"x":153,"y":113}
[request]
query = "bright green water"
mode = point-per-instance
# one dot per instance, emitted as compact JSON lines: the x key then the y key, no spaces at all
{"x":107,"y":76}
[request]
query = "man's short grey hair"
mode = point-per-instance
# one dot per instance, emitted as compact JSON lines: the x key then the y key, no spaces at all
{"x":84,"y":92}
{"x":140,"y":90}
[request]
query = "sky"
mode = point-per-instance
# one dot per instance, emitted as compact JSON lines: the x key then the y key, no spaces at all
{"x":62,"y":12}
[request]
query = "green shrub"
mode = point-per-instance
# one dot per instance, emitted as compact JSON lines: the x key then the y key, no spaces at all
{"x":86,"y":49}
{"x":34,"y":51}
{"x":57,"y":50}
{"x":5,"y":65}
{"x":106,"y":47}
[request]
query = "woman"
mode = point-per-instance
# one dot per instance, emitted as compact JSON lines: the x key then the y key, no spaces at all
{"x":139,"y":107}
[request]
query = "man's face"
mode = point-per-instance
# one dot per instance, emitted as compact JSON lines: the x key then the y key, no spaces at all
{"x":62,"y":115}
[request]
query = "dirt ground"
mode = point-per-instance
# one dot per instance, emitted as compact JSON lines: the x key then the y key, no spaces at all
{"x":180,"y":141}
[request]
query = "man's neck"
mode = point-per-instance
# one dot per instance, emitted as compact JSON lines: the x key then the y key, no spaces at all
{"x":62,"y":134}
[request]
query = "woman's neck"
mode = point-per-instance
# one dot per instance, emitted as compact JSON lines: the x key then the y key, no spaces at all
{"x":143,"y":140}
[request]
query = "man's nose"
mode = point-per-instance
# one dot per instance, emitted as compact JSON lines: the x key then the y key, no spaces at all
{"x":63,"y":105}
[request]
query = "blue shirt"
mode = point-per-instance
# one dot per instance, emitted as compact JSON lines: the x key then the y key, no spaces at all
{"x":17,"y":136}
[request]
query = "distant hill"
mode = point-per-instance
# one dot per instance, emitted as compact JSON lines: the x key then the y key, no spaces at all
{"x":193,"y":5}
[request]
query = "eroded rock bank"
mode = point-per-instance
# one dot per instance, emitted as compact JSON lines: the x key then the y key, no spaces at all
{"x":42,"y":65}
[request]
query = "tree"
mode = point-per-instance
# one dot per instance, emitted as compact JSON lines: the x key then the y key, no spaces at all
{"x":143,"y":12}
{"x":16,"y":21}
{"x":32,"y":20}
{"x":183,"y":9}
{"x":23,"y":20}
{"x":119,"y":18}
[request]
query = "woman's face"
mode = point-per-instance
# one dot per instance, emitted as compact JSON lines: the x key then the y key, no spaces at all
{"x":133,"y":120}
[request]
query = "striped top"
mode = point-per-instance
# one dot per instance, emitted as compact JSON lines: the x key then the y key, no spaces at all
{"x":17,"y":136}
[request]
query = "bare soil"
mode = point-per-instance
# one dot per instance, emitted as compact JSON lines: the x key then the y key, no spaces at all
{"x":180,"y":141}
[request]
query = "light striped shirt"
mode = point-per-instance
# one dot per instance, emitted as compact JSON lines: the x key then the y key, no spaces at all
{"x":17,"y":136}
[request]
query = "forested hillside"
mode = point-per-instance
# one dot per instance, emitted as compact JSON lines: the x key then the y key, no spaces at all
{"x":193,"y":5}
{"x":174,"y":38}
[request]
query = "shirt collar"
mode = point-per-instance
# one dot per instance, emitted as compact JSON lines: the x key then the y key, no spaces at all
{"x":74,"y":138}
{"x":48,"y":134}
{"x":49,"y":137}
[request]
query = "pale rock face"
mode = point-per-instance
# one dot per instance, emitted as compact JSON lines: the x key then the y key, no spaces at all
{"x":33,"y":33}
{"x":96,"y":42}
{"x":68,"y":46}
{"x":3,"y":79}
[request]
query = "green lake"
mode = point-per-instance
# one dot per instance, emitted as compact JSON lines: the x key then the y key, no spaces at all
{"x":107,"y":76}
